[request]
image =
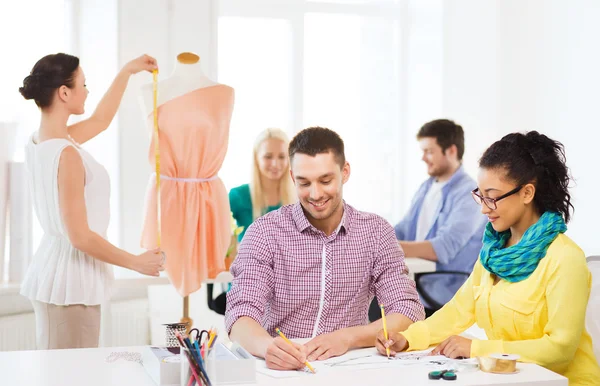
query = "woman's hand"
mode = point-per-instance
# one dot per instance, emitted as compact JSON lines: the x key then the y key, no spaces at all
{"x":143,"y":63}
{"x":454,"y":347}
{"x":150,"y":262}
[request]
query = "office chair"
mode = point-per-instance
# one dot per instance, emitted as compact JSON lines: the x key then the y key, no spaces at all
{"x":437,"y":288}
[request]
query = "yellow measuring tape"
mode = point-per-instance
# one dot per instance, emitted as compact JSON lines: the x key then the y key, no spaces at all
{"x":156,"y":156}
{"x":499,"y":363}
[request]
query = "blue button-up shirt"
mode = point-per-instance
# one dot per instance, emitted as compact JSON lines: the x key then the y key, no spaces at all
{"x":457,"y":230}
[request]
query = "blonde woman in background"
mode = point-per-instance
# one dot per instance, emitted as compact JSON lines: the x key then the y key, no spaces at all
{"x":270,"y":188}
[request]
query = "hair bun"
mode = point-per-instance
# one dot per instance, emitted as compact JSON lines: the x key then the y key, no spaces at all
{"x":47,"y":75}
{"x":537,"y":139}
{"x":31,"y":87}
{"x":543,"y":149}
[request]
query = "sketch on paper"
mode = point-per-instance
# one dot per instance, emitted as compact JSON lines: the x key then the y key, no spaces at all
{"x":367,"y":358}
{"x":372,"y":359}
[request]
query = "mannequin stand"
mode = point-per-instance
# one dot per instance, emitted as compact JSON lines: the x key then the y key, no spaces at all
{"x":223,"y":277}
{"x":186,"y":314}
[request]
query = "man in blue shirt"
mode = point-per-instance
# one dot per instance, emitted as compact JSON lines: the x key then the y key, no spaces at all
{"x":442,"y":224}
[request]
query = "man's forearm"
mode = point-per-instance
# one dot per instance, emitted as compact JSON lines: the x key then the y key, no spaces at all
{"x":251,"y":335}
{"x":364,"y":336}
{"x":422,"y":249}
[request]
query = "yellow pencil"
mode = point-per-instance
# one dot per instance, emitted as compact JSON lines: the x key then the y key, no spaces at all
{"x":277,"y":330}
{"x":385,"y":333}
{"x":211,"y":337}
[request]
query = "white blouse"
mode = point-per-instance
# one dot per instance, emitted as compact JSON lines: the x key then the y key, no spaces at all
{"x":60,"y":274}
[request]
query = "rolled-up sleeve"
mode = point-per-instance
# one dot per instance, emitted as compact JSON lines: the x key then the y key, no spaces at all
{"x":393,"y":287}
{"x":253,"y":280}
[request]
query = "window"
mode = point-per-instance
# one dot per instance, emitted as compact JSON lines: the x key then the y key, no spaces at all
{"x":61,"y":26}
{"x":351,"y":85}
{"x":342,"y":64}
{"x":424,"y":69}
{"x":43,"y":33}
{"x":261,"y":76}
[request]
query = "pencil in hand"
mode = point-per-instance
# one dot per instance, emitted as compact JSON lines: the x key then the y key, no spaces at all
{"x":385,"y":333}
{"x":278,"y":331}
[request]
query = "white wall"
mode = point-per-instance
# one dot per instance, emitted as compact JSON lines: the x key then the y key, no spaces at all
{"x":515,"y":65}
{"x":470,"y":73}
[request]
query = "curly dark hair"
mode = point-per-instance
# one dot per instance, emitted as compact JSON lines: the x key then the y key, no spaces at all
{"x":534,"y":158}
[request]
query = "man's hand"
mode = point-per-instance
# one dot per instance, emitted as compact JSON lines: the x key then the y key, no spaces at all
{"x":281,"y":355}
{"x":396,"y":343}
{"x":328,"y":345}
{"x":454,"y":347}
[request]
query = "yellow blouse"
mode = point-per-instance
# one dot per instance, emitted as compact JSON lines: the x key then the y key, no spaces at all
{"x":541,"y":318}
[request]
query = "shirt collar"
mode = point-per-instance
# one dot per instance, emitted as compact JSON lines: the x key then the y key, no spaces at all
{"x":302,"y":222}
{"x":457,"y":175}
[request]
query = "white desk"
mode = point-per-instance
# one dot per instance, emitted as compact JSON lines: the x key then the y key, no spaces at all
{"x":417,"y":265}
{"x":88,"y":367}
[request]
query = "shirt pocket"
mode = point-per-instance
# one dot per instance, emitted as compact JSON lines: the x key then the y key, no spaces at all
{"x":479,"y":306}
{"x":519,"y":312}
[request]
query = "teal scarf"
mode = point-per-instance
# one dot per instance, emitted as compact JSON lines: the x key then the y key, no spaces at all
{"x":517,"y":263}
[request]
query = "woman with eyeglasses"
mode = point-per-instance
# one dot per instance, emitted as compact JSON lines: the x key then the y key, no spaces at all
{"x":530,"y":288}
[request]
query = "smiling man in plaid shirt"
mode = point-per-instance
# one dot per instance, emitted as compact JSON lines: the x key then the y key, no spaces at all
{"x":312,"y":268}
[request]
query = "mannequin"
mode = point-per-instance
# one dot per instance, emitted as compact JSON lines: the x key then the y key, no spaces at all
{"x":194,"y":113}
{"x":186,"y":77}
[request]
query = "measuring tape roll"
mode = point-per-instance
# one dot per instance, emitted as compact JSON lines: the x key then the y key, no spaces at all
{"x":499,"y":363}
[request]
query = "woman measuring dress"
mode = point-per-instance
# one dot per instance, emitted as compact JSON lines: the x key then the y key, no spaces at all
{"x":71,"y":272}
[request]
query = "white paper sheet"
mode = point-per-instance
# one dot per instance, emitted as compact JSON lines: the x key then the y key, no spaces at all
{"x":261,"y":367}
{"x":367,"y":358}
{"x":370,"y":358}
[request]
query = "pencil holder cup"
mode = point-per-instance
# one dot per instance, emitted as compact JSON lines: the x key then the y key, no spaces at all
{"x":221,"y":366}
{"x":185,"y":368}
{"x":230,"y":365}
{"x":170,"y":338}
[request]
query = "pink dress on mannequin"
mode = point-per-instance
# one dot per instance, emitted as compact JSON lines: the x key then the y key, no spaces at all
{"x":196,"y":230}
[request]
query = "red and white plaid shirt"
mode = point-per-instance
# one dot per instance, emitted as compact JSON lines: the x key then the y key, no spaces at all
{"x":290,"y":275}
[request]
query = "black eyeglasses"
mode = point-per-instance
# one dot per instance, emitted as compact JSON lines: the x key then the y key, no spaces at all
{"x":491,"y":202}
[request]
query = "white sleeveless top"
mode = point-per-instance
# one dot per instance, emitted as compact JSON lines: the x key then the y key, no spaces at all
{"x":60,"y":274}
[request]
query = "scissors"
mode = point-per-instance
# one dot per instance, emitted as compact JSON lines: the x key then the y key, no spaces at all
{"x":199,"y":334}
